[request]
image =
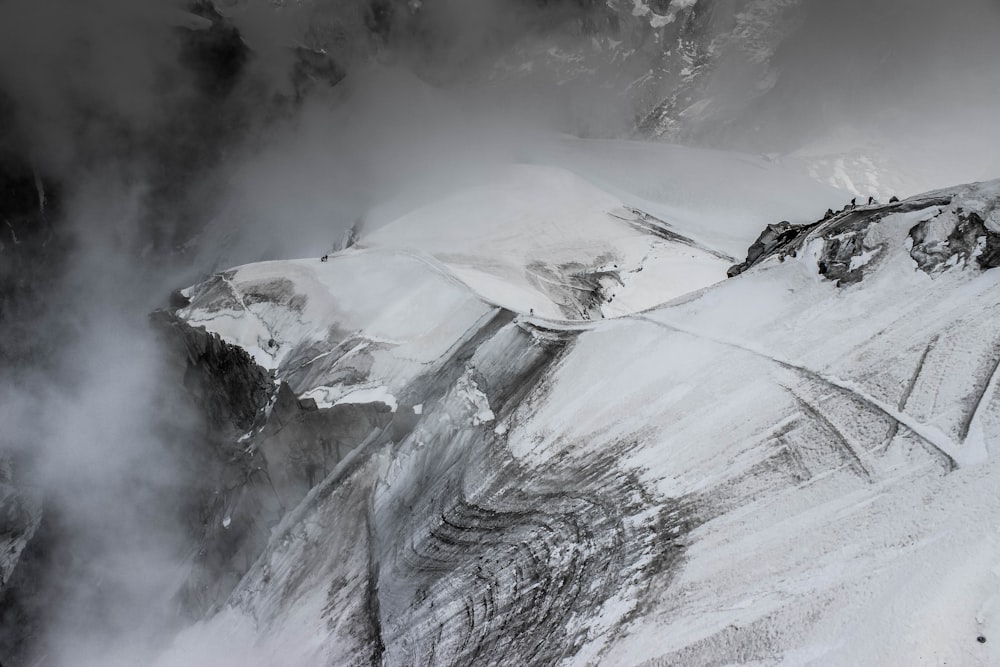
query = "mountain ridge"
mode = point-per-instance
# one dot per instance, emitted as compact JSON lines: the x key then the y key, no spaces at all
{"x":829,"y":418}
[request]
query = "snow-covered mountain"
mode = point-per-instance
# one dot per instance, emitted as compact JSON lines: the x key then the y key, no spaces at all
{"x":518,"y":398}
{"x":534,"y":423}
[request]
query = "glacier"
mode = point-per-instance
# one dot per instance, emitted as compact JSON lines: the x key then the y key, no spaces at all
{"x":493,"y":440}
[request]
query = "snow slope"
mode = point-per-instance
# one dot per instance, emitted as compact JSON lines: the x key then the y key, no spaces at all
{"x":822,"y":424}
{"x":541,"y":239}
{"x":775,"y":468}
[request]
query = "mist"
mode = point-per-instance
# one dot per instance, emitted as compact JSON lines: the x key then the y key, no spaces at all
{"x":145,"y":193}
{"x":159,"y":161}
{"x":912,"y":84}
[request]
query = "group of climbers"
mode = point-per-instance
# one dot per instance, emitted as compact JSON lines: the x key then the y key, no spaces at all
{"x":854,"y":204}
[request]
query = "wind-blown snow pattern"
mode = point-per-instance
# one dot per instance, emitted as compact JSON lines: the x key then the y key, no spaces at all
{"x":601,"y":451}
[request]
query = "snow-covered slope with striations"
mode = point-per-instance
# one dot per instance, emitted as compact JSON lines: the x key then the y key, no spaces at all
{"x":787,"y":466}
{"x":818,"y":430}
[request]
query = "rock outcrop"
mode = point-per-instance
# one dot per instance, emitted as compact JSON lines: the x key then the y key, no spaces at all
{"x":771,"y":241}
{"x":953,"y":228}
{"x":955,"y":240}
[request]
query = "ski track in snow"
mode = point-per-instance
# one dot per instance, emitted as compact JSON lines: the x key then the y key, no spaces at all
{"x":939,"y":441}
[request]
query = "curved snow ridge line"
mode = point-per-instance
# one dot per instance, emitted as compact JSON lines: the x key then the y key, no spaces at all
{"x":445,"y":271}
{"x":957,"y":455}
{"x":543,"y":322}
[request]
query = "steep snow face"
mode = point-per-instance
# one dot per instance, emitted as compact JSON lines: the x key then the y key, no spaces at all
{"x":736,"y":476}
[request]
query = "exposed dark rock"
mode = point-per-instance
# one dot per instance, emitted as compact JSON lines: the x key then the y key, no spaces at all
{"x":846,"y":254}
{"x":25,"y":601}
{"x":230,"y":504}
{"x":174,"y":156}
{"x":379,"y":17}
{"x":579,"y":290}
{"x":772,"y":240}
{"x":302,"y":443}
{"x":264,"y":449}
{"x":223,"y":378}
{"x":938,"y":244}
{"x":178,"y":300}
{"x":843,"y":247}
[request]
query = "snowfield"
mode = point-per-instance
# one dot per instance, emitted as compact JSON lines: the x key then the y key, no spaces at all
{"x":602,"y":451}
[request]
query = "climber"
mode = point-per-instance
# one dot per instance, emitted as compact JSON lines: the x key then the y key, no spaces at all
{"x":324,"y":258}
